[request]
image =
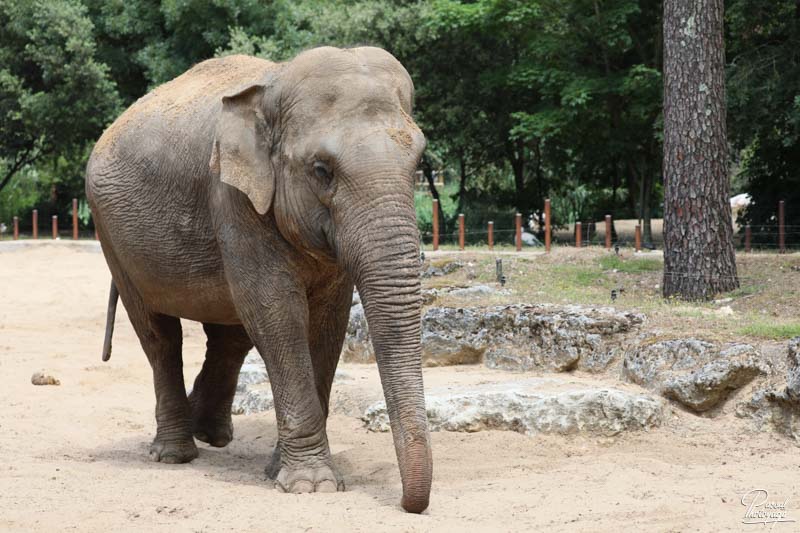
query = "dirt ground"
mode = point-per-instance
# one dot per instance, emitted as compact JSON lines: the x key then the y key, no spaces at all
{"x":74,"y":456}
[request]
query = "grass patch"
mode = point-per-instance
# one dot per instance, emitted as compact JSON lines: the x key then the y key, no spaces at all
{"x":575,"y":275}
{"x":630,"y":266}
{"x":745,"y":290}
{"x":771,"y":330}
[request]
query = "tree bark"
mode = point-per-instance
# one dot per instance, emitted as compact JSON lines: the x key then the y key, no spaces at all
{"x":699,"y":260}
{"x":427,"y":170}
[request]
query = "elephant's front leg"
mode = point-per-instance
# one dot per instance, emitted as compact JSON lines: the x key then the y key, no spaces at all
{"x":279,"y":330}
{"x":329,"y":312}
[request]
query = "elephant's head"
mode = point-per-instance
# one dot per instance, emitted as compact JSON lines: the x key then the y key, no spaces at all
{"x":327,"y":144}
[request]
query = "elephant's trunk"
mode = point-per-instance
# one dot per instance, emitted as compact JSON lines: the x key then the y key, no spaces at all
{"x":385,"y":267}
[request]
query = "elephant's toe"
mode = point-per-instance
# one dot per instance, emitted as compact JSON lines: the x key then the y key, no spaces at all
{"x":173,"y":452}
{"x":218,"y":437}
{"x":308,"y":479}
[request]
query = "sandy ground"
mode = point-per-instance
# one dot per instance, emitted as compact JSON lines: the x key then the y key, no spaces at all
{"x":73,"y":457}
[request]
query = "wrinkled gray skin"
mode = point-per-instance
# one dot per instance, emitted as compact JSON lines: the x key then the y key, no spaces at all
{"x":251,"y":196}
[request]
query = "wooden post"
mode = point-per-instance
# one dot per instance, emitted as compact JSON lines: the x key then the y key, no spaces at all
{"x":748,"y":236}
{"x":781,"y":228}
{"x":578,"y":234}
{"x":75,"y":219}
{"x":35,"y":223}
{"x":608,"y":232}
{"x":16,"y":228}
{"x":55,"y":226}
{"x":547,"y":225}
{"x":435,"y":225}
{"x":491,"y":235}
{"x":518,"y":230}
{"x":638,"y":237}
{"x":461,"y":231}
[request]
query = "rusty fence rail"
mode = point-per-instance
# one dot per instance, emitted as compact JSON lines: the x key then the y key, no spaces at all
{"x":56,"y":230}
{"x":584,"y":234}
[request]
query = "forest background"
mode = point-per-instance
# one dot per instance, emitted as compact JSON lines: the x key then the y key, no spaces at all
{"x":520,"y":100}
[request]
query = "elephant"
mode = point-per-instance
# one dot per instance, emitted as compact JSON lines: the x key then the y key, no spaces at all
{"x":252,"y":196}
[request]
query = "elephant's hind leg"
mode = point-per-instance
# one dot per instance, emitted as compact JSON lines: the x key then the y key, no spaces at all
{"x":161,"y":339}
{"x":215,"y":385}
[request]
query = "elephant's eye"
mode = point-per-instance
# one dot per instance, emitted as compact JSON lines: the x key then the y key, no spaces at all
{"x":322,"y":171}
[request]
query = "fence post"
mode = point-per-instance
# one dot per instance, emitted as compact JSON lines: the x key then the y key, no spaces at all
{"x":75,"y":219}
{"x":608,"y":232}
{"x":491,"y":235}
{"x":435,"y":225}
{"x":16,"y":228}
{"x":638,"y":237}
{"x":781,"y":228}
{"x":547,"y":225}
{"x":748,"y":235}
{"x":35,"y":223}
{"x":55,"y":226}
{"x":578,"y":234}
{"x":461,"y":231}
{"x":518,"y":230}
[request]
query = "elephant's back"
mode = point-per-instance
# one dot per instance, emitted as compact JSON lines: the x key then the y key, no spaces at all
{"x":190,"y":99}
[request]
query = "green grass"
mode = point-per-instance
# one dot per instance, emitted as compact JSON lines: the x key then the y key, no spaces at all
{"x":630,"y":266}
{"x":578,"y":276}
{"x":771,"y":330}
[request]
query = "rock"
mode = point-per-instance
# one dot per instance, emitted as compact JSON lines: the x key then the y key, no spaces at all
{"x":441,"y":268}
{"x":448,"y":338}
{"x":252,"y":400}
{"x":529,"y":239}
{"x":777,"y":404}
{"x":559,"y":338}
{"x":252,"y":373}
{"x":40,"y":378}
{"x":511,"y":337}
{"x":357,"y":344}
{"x":356,"y":298}
{"x":475,"y":290}
{"x":793,"y":374}
{"x":769,"y":408}
{"x":695,"y":373}
{"x":523,"y":406}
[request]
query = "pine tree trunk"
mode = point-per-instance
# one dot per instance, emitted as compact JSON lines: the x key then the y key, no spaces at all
{"x":699,"y":260}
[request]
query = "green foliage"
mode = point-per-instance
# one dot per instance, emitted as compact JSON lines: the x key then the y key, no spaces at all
{"x":771,"y":330}
{"x":630,"y":266}
{"x":764,"y":109}
{"x":54,"y":95}
{"x":20,"y":196}
{"x":520,"y":100}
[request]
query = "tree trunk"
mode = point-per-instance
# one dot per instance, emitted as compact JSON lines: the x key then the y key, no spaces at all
{"x":699,"y":260}
{"x":462,"y":184}
{"x":427,"y":170}
{"x":516,"y":157}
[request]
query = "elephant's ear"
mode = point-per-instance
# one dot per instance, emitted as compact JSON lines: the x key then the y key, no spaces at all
{"x":241,"y":154}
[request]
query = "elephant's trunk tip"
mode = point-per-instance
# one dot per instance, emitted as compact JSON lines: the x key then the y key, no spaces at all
{"x":418,"y":477}
{"x":414,"y":505}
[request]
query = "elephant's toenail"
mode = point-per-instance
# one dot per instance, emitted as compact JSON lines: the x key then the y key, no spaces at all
{"x":326,"y":485}
{"x":302,"y":486}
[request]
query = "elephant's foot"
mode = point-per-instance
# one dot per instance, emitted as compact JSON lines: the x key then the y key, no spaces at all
{"x":210,"y":425}
{"x":173,"y":451}
{"x":308,"y":478}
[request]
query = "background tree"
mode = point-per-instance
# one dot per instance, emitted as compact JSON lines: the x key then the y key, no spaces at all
{"x":764,"y":111}
{"x":699,"y":260}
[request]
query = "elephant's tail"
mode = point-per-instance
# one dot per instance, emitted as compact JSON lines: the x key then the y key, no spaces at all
{"x":113,"y":297}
